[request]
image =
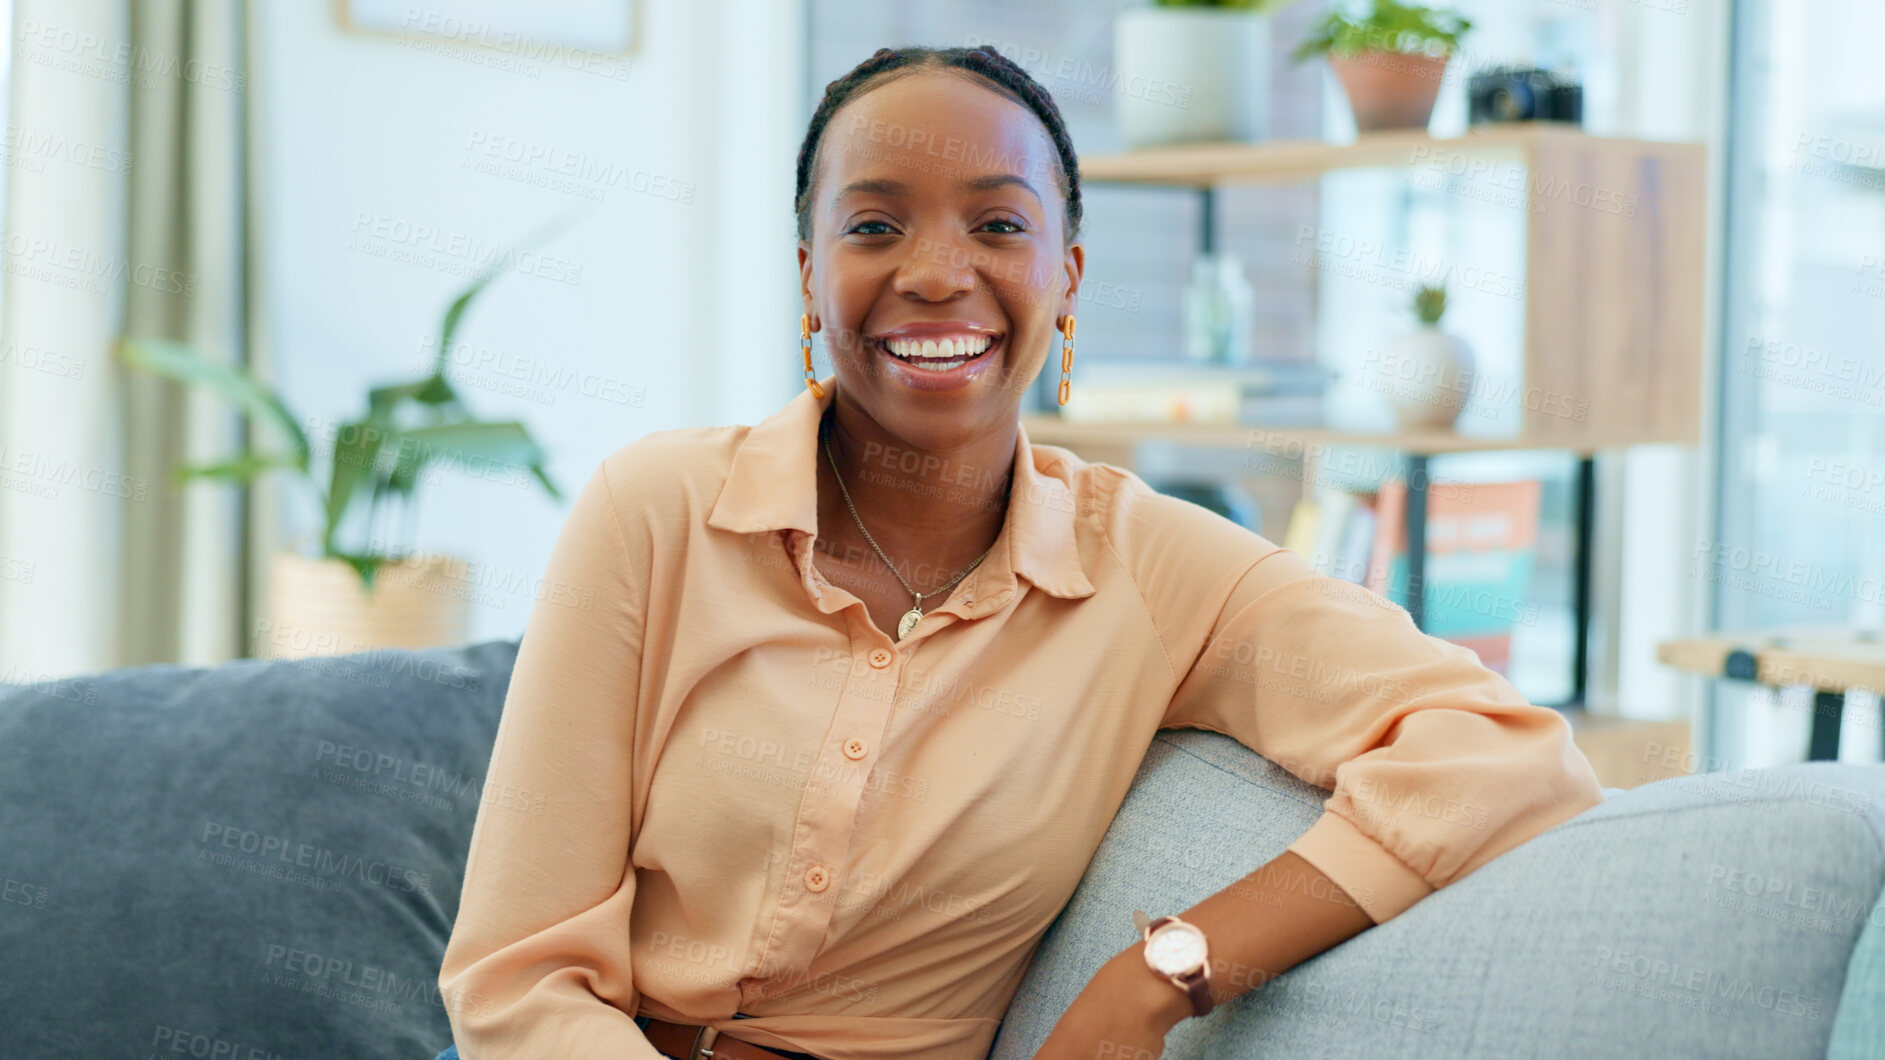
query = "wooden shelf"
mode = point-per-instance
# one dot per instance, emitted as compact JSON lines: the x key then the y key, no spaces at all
{"x":1614,"y":239}
{"x":1094,"y":437}
{"x":1293,"y":160}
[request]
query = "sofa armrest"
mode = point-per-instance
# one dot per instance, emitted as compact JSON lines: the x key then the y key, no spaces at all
{"x":1706,"y":915}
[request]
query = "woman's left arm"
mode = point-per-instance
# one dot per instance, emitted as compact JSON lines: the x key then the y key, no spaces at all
{"x":1435,"y":766}
{"x":1125,"y":1010}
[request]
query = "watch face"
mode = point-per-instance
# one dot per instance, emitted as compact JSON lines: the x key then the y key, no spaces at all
{"x":1175,"y":949}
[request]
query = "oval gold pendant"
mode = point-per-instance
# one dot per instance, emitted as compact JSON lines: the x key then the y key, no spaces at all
{"x":908,"y":622}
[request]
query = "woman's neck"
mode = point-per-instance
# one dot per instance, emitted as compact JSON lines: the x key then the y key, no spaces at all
{"x":931,"y":511}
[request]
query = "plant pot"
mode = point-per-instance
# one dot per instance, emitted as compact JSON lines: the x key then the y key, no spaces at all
{"x":1190,"y":75}
{"x":1390,"y":90}
{"x":319,"y":607}
{"x":1427,"y":376}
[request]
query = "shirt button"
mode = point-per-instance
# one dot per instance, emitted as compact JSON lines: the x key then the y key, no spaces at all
{"x":817,"y":878}
{"x":880,"y":657}
{"x":855,"y":748}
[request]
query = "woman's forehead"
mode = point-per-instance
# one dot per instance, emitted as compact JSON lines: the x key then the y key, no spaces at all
{"x":934,"y":127}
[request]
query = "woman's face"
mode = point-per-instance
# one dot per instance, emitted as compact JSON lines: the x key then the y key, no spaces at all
{"x":937,"y":227}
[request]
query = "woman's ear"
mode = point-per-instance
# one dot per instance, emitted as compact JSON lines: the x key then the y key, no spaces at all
{"x":805,"y":281}
{"x":1076,"y":267}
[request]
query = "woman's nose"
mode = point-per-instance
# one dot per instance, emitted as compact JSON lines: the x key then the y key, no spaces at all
{"x":936,"y":269}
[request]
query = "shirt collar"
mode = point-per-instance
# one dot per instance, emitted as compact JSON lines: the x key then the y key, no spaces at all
{"x":772,"y":485}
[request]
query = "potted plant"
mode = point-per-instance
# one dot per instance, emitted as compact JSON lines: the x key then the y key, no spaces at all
{"x":1389,"y":60}
{"x":1428,"y":373}
{"x":1193,"y":71}
{"x":359,"y":590}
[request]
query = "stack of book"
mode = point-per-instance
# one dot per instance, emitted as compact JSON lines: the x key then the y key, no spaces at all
{"x":1481,"y":544}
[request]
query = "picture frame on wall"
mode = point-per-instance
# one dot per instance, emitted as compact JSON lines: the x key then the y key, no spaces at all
{"x":527,"y":28}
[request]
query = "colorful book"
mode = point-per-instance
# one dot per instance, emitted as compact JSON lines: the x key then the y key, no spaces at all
{"x":1357,"y":541}
{"x":1481,"y":546}
{"x":1334,"y":507}
{"x":1300,"y":538}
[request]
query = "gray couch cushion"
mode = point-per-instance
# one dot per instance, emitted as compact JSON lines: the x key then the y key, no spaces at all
{"x":1700,"y":916}
{"x":261,"y":856}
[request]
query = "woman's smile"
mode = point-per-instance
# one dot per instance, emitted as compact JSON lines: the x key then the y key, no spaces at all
{"x":937,"y":355}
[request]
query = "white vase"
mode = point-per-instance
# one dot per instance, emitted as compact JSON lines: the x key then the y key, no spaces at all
{"x":1426,"y":375}
{"x":320,"y":607}
{"x":1190,"y":75}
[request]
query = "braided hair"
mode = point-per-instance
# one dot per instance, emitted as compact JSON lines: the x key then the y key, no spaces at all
{"x":996,"y":70}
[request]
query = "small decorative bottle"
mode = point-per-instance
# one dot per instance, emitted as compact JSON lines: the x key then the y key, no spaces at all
{"x":1220,"y":311}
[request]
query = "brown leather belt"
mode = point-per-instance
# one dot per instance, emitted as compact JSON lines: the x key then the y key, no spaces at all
{"x":687,"y":1041}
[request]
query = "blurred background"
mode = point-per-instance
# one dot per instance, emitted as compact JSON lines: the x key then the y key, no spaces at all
{"x":393,"y":277}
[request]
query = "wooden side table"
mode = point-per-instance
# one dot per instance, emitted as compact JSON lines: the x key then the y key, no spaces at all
{"x":1829,"y":660}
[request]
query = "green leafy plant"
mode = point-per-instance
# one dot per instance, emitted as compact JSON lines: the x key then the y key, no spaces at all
{"x":1429,"y":304}
{"x":1234,"y":5}
{"x":379,"y":457}
{"x":1387,"y":26}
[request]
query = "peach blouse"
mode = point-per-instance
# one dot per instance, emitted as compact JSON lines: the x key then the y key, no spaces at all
{"x":718,"y":787}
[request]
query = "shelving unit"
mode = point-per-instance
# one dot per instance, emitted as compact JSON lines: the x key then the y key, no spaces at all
{"x":1614,"y":232}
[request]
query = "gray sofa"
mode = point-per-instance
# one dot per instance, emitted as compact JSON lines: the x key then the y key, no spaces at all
{"x":262,"y":860}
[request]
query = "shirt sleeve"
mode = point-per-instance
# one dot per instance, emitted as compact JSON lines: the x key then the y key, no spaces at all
{"x":537,"y":967}
{"x":1435,"y":763}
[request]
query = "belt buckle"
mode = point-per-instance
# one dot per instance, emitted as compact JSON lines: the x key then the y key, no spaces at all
{"x":703,"y":1040}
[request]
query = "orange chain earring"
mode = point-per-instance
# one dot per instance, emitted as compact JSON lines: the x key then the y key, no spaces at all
{"x":805,"y":347}
{"x":1066,"y":359}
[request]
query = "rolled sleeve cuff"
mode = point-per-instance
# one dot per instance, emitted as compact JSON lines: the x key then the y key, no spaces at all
{"x":1380,"y":883}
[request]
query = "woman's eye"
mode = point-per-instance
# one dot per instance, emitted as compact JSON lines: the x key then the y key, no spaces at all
{"x":881,"y":228}
{"x":1012,"y":228}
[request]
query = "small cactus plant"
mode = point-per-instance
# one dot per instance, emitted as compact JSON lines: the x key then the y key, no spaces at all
{"x":1429,"y":304}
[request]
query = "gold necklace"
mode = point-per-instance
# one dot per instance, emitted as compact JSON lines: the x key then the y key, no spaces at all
{"x":915,"y":613}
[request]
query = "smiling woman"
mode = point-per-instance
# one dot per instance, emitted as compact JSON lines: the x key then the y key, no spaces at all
{"x":791,"y":807}
{"x":938,"y":209}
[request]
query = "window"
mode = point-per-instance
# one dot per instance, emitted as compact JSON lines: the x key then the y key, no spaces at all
{"x":1801,"y":534}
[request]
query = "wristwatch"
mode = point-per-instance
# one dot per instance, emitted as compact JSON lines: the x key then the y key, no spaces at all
{"x":1176,"y":951}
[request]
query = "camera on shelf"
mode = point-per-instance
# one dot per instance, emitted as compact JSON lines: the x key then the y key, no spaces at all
{"x":1510,"y":94}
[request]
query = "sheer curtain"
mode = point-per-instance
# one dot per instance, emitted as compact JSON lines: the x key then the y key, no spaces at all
{"x":125,"y":216}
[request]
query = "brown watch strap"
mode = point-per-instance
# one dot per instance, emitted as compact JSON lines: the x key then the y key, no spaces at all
{"x":1199,"y":987}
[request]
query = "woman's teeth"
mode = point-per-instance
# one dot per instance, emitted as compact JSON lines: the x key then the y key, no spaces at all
{"x":939,"y":355}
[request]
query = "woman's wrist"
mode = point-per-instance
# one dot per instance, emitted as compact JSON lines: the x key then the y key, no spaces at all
{"x":1126,"y":980}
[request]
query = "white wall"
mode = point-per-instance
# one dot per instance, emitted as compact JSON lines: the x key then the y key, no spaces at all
{"x":682,"y":313}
